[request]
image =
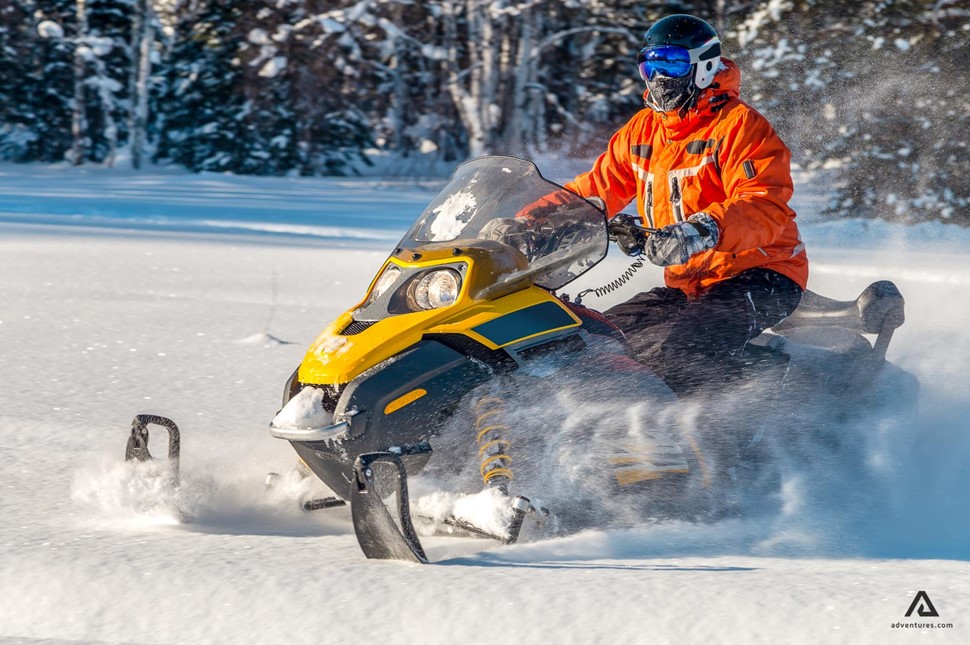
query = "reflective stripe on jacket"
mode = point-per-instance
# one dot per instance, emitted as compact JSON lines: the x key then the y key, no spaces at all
{"x":723,"y":158}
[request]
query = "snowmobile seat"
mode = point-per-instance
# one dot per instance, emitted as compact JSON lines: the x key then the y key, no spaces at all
{"x":879,"y":310}
{"x":596,"y":323}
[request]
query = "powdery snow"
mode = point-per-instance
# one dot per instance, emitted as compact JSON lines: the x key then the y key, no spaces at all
{"x":50,"y":29}
{"x":332,"y":346}
{"x":113,"y":305}
{"x":489,"y":510}
{"x":258,"y":36}
{"x":273,"y":67}
{"x":303,"y":411}
{"x":452,"y":215}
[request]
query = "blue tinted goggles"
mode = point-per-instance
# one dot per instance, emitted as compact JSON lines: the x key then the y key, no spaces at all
{"x":667,"y":60}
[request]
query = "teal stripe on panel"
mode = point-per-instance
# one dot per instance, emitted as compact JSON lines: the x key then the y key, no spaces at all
{"x":530,"y":321}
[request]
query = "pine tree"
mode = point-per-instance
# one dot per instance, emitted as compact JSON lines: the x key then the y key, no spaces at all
{"x":262,"y":89}
{"x":202,"y":109}
{"x":326,"y":82}
{"x":16,"y":42}
{"x":312,"y":71}
{"x":109,"y":64}
{"x":46,"y":93}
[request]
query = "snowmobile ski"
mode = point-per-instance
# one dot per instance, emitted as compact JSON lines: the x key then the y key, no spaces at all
{"x":137,"y":447}
{"x":379,"y":536}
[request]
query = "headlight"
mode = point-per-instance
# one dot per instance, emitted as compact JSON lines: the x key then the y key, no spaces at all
{"x":434,"y":290}
{"x":388,"y":278}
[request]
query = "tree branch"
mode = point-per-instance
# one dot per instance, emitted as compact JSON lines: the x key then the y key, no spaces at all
{"x":549,"y":41}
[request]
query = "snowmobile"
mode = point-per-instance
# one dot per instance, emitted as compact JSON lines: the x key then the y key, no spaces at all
{"x":461,"y":360}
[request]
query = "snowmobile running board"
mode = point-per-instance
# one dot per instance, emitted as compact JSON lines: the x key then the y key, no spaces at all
{"x":521,"y":507}
{"x":137,"y":447}
{"x":381,"y":538}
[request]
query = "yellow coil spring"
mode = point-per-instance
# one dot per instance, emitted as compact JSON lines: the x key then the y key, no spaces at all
{"x":492,"y":445}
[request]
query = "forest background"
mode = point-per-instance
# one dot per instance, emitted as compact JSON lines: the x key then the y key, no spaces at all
{"x":875,"y":92}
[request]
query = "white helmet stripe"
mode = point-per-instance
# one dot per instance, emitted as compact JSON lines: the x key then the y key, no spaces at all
{"x":697,"y":54}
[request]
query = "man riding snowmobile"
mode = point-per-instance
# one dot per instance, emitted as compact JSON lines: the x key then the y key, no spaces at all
{"x":463,"y":365}
{"x":464,"y":317}
{"x":709,"y":172}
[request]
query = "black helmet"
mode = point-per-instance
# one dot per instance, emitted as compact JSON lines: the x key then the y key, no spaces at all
{"x":680,"y":29}
{"x":687,"y":33}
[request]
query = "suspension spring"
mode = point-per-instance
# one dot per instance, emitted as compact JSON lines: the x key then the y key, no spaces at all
{"x":625,"y":277}
{"x":493,"y":447}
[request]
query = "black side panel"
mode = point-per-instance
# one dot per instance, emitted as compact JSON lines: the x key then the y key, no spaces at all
{"x":446,"y":376}
{"x":442,"y":373}
{"x":498,"y":359}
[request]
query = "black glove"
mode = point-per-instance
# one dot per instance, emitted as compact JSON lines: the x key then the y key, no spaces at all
{"x":677,"y":243}
{"x":627,"y":235}
{"x":630,"y":244}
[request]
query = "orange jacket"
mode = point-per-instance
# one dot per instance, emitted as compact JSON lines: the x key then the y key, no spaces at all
{"x":722,"y":158}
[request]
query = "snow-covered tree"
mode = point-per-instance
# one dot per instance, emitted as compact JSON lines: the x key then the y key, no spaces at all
{"x":875,"y":90}
{"x":144,"y":29}
{"x":16,"y":50}
{"x":269,"y":89}
{"x":907,"y":150}
{"x":69,"y":57}
{"x":105,"y":51}
{"x":202,"y":107}
{"x":504,"y":75}
{"x":303,"y":72}
{"x":45,"y":80}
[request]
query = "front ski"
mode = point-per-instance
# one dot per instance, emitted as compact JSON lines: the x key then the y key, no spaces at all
{"x":137,"y":446}
{"x":378,"y":535}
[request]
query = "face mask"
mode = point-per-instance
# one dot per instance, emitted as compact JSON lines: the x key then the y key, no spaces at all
{"x":667,"y":93}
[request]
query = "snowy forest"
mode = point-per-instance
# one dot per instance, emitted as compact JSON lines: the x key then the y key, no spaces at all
{"x":877,"y":92}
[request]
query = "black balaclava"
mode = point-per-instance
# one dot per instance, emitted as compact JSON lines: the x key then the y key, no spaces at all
{"x":668,"y":94}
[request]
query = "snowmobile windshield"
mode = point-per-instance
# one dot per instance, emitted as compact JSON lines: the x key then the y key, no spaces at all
{"x":505,"y":199}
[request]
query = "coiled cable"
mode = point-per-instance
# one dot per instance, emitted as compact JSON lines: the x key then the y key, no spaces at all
{"x":625,"y":277}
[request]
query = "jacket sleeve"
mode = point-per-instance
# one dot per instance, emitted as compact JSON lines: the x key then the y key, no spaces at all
{"x":611,"y":178}
{"x":755,"y":167}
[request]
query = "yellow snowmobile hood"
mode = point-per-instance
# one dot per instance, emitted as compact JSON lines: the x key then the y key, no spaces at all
{"x":497,"y":305}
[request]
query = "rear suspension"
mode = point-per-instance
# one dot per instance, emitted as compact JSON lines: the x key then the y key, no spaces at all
{"x":493,"y":446}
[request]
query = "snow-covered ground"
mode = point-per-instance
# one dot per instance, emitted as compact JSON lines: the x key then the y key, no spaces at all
{"x":195,"y":296}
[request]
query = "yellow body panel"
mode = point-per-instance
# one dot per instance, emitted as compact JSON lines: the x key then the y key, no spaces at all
{"x":334,"y":359}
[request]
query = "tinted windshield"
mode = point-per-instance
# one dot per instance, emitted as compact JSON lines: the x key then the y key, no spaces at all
{"x":506,"y":199}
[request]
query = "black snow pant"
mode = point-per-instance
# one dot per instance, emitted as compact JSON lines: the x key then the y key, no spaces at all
{"x":695,"y":345}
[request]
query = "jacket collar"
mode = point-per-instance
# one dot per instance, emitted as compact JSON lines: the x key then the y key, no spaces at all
{"x":726,"y":86}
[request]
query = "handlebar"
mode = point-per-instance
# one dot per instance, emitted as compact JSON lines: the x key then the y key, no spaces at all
{"x":628,"y":233}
